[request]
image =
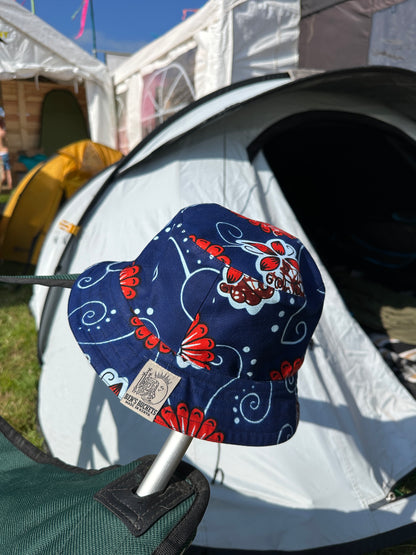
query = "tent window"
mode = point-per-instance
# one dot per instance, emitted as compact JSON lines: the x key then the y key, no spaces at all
{"x":167,"y":90}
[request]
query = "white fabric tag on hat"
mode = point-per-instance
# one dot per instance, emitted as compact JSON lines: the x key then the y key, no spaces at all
{"x":150,"y":389}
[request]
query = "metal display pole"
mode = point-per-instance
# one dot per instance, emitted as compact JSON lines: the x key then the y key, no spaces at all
{"x":165,"y":464}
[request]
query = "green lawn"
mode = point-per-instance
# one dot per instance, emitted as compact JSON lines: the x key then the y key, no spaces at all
{"x":19,"y":366}
{"x":4,"y":197}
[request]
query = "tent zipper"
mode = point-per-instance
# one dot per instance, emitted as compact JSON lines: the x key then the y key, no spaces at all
{"x":404,"y":487}
{"x":390,"y":498}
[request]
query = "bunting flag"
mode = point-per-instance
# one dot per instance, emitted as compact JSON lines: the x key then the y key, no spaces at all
{"x":185,"y":13}
{"x":32,"y":5}
{"x":83,"y":18}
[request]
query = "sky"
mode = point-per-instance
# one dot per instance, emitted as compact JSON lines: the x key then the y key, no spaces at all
{"x":120,"y":25}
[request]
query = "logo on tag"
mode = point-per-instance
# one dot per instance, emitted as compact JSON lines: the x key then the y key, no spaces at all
{"x":150,"y":389}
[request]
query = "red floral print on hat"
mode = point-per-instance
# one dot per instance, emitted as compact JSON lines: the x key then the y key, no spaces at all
{"x":214,"y":250}
{"x":243,"y":289}
{"x":287,"y":369}
{"x":116,"y":388}
{"x":277,"y":261}
{"x":150,"y":340}
{"x":129,"y":280}
{"x":197,"y":347}
{"x":268,"y":228}
{"x":191,"y":423}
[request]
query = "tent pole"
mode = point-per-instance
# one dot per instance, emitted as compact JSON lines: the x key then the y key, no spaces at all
{"x":94,"y":43}
{"x":165,"y":464}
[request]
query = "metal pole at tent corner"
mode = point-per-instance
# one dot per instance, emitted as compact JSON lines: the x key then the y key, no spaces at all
{"x":165,"y":464}
{"x":94,"y":41}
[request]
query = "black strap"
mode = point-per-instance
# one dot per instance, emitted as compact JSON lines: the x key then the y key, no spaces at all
{"x":140,"y":513}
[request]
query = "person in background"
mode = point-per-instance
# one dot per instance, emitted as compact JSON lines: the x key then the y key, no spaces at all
{"x":4,"y":156}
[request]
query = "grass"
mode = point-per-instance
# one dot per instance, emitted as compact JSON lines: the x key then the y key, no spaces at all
{"x":4,"y":197}
{"x":19,"y":365}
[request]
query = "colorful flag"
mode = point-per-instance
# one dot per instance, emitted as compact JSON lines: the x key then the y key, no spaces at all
{"x":83,"y":18}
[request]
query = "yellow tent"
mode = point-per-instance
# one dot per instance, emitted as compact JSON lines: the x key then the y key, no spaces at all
{"x":37,"y":198}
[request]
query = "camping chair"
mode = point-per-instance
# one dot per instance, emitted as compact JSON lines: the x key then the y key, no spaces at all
{"x":48,"y":507}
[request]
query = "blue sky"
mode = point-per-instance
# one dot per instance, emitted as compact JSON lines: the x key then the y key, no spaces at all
{"x":120,"y":25}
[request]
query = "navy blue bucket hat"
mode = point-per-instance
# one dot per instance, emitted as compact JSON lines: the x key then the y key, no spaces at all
{"x":206,"y":330}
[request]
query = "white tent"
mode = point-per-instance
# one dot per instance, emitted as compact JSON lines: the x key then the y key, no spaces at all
{"x":330,"y":486}
{"x":223,"y":42}
{"x":31,"y":49}
{"x":228,"y":41}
